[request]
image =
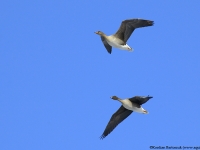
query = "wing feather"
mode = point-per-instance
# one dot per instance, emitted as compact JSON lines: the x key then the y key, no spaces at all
{"x":107,"y":46}
{"x":121,"y":114}
{"x":139,"y":99}
{"x":128,"y":26}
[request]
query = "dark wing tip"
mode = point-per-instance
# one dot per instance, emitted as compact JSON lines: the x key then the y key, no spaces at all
{"x":151,"y":23}
{"x":102,"y":136}
{"x":109,"y":51}
{"x":150,"y":97}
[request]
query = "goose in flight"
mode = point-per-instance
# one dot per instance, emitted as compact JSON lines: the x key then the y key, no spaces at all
{"x":128,"y":106}
{"x":119,"y":39}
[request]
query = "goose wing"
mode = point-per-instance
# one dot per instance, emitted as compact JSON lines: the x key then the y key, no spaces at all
{"x":121,"y":114}
{"x":128,"y":26}
{"x":140,"y":99}
{"x":107,"y":46}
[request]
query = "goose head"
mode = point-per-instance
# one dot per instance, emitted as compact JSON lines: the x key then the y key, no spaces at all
{"x":114,"y":98}
{"x":99,"y":33}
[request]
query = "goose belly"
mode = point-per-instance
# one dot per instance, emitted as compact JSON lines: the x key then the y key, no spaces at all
{"x":128,"y":105}
{"x":122,"y":47}
{"x":138,"y":110}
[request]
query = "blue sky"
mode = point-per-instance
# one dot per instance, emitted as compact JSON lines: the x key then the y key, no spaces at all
{"x":56,"y":77}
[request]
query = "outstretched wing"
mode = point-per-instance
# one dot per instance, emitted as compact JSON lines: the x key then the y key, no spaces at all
{"x":128,"y":26}
{"x":121,"y":114}
{"x":107,"y":46}
{"x":140,"y":99}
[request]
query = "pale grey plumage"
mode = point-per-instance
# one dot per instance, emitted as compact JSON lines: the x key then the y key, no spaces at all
{"x":122,"y":113}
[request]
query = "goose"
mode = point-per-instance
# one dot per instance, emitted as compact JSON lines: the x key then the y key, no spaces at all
{"x":128,"y":106}
{"x":119,"y":39}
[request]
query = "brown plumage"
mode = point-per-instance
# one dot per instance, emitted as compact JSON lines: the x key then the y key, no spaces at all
{"x":119,"y":39}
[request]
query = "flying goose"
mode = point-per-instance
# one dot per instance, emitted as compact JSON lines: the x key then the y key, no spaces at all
{"x":128,"y":106}
{"x":119,"y":39}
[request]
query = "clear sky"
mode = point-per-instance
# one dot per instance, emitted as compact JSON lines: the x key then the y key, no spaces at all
{"x":56,"y":77}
